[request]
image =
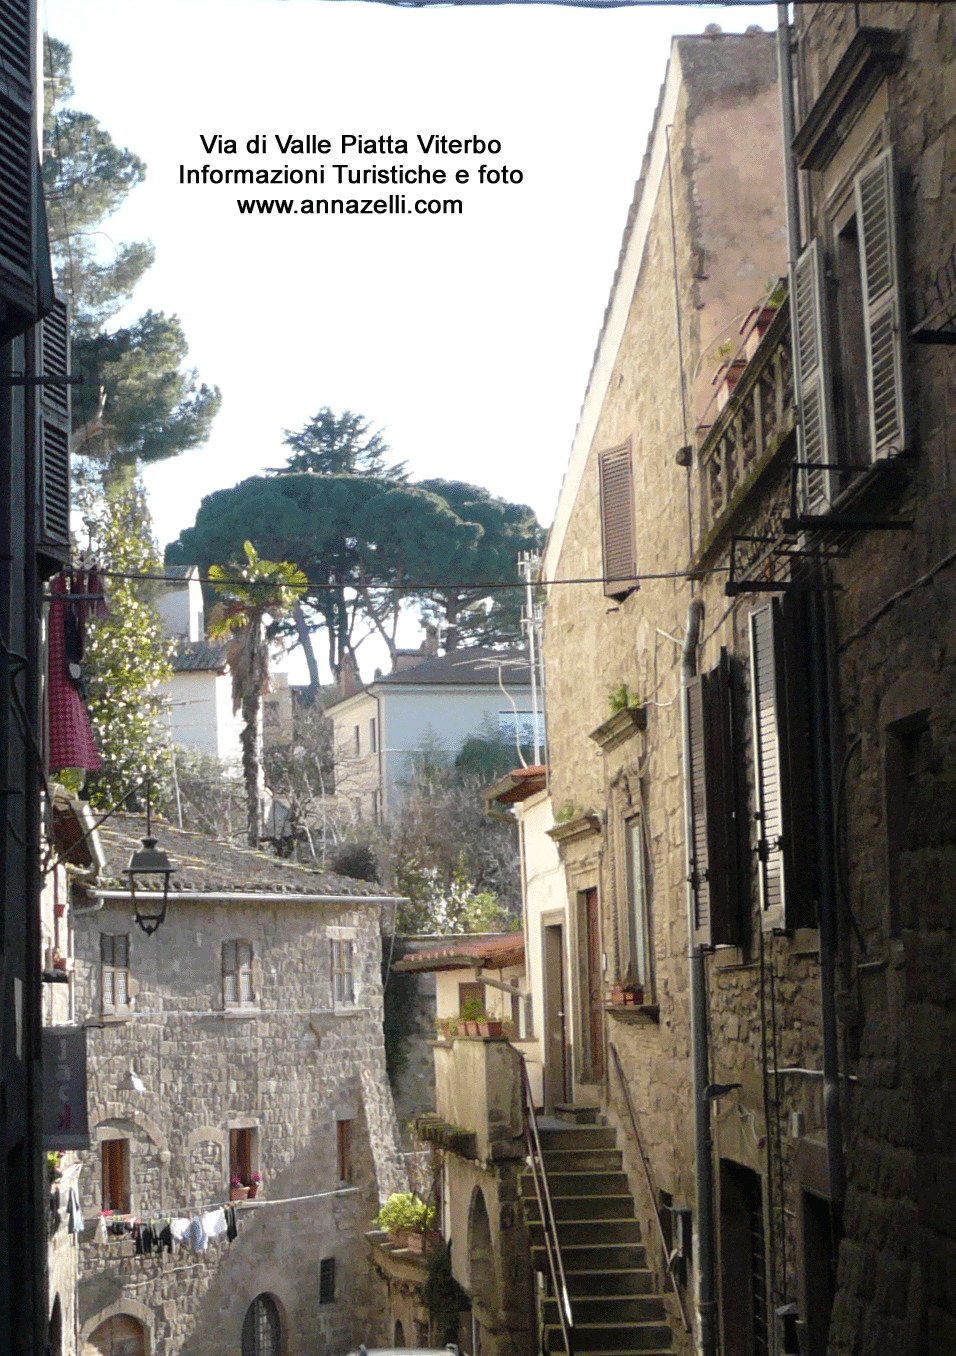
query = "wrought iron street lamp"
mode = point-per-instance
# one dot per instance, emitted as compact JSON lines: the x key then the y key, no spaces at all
{"x":152,"y":862}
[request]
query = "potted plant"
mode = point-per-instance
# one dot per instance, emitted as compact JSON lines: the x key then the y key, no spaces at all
{"x":407,"y":1220}
{"x":255,"y":1181}
{"x":446,"y":1027}
{"x":472,"y":1013}
{"x":238,"y":1191}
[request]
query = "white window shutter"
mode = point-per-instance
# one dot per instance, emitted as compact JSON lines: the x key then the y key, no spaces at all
{"x":878,"y":225}
{"x":764,"y":643}
{"x":816,"y":442}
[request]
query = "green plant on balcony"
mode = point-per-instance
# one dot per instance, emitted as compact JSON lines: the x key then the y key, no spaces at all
{"x":407,"y":1219}
{"x":621,"y":697}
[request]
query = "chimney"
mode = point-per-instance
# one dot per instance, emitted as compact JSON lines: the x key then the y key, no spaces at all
{"x":351,"y":681}
{"x":430,"y":643}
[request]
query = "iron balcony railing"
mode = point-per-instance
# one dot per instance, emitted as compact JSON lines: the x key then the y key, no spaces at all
{"x":548,"y":1224}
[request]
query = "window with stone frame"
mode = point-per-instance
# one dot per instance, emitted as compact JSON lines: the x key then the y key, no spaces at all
{"x":637,"y":969}
{"x":114,"y":971}
{"x":343,"y":1144}
{"x":115,"y":1176}
{"x":261,"y":1328}
{"x":237,"y":979}
{"x":327,"y":1280}
{"x":243,"y":1154}
{"x":850,"y":328}
{"x":343,"y":979}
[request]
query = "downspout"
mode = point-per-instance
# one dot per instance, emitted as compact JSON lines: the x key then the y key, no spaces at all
{"x":706,"y":1303}
{"x":821,"y":682}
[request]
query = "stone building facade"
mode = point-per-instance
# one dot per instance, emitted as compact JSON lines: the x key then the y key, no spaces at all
{"x":243,"y":1039}
{"x":753,"y":785}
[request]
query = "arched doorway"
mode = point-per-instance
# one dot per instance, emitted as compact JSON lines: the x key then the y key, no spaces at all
{"x":54,"y":1337}
{"x":261,"y":1329}
{"x":399,"y":1334}
{"x":120,"y":1335}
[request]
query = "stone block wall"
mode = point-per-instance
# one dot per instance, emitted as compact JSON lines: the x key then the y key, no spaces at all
{"x":285,"y":1070}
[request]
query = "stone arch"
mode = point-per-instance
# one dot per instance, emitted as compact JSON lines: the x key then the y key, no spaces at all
{"x":399,"y":1333}
{"x":141,"y":1323}
{"x":265,"y":1326}
{"x":117,"y":1114}
{"x":204,"y":1132}
{"x":481,"y":1254}
{"x":269,"y":1281}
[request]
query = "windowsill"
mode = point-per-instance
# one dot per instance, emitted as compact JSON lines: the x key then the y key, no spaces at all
{"x":239,"y":1014}
{"x":636,"y":1014}
{"x":116,"y":1018}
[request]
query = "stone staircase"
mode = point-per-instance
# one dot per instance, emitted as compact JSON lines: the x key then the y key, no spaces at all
{"x":617,"y":1310}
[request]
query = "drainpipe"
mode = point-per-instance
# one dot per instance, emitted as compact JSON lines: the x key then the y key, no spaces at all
{"x":706,"y":1303}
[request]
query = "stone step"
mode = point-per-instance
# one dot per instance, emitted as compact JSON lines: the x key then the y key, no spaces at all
{"x":578,"y":1137}
{"x":610,"y":1281}
{"x":579,"y":1184}
{"x":605,"y":1256}
{"x":577,"y":1231}
{"x":582,"y":1160}
{"x":613,"y":1337}
{"x":598,"y":1309}
{"x":579,"y":1115}
{"x":582,"y":1208}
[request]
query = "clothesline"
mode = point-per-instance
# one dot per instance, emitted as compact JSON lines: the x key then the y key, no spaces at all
{"x":187,"y":1212}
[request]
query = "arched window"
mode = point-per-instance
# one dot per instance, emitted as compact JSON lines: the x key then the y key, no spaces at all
{"x":260,"y":1330}
{"x":399,"y":1334}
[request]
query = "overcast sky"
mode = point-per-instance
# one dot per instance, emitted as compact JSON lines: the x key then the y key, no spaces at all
{"x":468,"y":338}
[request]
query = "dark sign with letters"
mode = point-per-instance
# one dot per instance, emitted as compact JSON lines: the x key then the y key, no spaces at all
{"x":64,"y":1088}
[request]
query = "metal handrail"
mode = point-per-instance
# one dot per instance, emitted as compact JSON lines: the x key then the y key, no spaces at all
{"x":647,"y":1177}
{"x":548,"y":1223}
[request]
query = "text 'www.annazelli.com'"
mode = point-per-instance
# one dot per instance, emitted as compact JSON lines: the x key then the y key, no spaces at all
{"x":395,"y":204}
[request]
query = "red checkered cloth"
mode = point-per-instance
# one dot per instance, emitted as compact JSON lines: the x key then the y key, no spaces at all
{"x":71,"y":739}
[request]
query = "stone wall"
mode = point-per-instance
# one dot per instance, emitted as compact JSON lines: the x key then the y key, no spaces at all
{"x":285,"y":1070}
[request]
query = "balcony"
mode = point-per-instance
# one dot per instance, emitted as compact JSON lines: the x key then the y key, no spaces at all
{"x":745,"y":452}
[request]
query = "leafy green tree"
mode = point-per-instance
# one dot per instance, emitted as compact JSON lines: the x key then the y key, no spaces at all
{"x":472,"y":613}
{"x":138,"y":402}
{"x":251,"y":592}
{"x":364,"y":543}
{"x":126,"y":651}
{"x":340,"y":445}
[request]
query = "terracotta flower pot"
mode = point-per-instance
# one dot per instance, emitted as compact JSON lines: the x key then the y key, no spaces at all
{"x":490,"y":1028}
{"x":253,"y":1190}
{"x":238,"y":1193}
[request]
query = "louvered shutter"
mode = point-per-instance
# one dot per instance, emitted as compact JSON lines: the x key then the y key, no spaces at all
{"x":816,"y":441}
{"x":617,"y":521}
{"x":18,"y":161}
{"x":878,"y":226}
{"x":53,"y":535}
{"x":721,"y":788}
{"x":764,"y":645}
{"x":244,"y":966}
{"x":230,"y":974}
{"x":697,"y":804}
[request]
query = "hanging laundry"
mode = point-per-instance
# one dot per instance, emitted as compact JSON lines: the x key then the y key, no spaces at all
{"x":70,"y":737}
{"x":232,"y":1225}
{"x":214,"y":1223}
{"x":164,"y":1239}
{"x":101,"y":1235}
{"x":197,"y":1234}
{"x":74,"y":1212}
{"x":179,"y":1228}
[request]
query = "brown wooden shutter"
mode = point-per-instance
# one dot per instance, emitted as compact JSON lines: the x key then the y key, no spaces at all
{"x":797,"y":761}
{"x":617,"y":521}
{"x":878,"y":226}
{"x":722,"y":805}
{"x":715,"y":873}
{"x":697,"y":801}
{"x":818,"y":484}
{"x":764,"y":666}
{"x":53,"y":536}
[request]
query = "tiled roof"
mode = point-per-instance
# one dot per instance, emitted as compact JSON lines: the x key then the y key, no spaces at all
{"x":200,"y":656}
{"x":519,"y":784}
{"x":204,"y":865}
{"x":463,"y":668}
{"x":492,"y":953}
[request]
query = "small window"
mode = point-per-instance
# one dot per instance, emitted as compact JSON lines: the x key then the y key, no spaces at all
{"x":261,"y":1330}
{"x":116,"y":1182}
{"x":242,"y":1155}
{"x":638,"y":922}
{"x":470,"y":993}
{"x":357,"y":739}
{"x":377,"y":807}
{"x":343,"y":1130}
{"x":114,"y":957}
{"x":372,"y":737}
{"x":237,"y":990}
{"x":327,"y":1280}
{"x":343,"y":989}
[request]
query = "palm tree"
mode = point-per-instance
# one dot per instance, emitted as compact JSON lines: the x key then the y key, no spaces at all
{"x":250,"y":593}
